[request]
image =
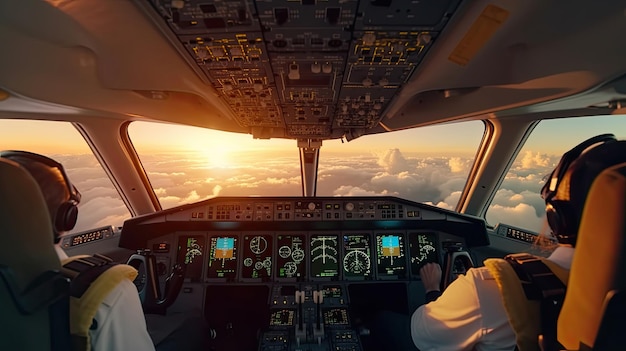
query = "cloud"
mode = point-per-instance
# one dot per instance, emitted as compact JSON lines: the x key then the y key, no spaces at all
{"x":393,"y":162}
{"x":521,"y":215}
{"x":101,"y":211}
{"x":347,"y":190}
{"x":437,"y":181}
{"x":458,"y":164}
{"x":532,"y":160}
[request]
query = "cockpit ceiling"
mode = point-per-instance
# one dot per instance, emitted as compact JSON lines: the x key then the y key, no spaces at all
{"x":312,"y":69}
{"x":307,"y":69}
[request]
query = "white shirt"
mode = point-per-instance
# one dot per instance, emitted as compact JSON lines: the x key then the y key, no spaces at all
{"x":470,"y":313}
{"x":121,"y":324}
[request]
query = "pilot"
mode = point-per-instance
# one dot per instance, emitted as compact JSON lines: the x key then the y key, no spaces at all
{"x":470,"y":313}
{"x":119,"y":322}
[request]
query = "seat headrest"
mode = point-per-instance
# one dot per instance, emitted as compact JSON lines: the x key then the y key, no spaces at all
{"x":599,"y":263}
{"x":26,"y":236}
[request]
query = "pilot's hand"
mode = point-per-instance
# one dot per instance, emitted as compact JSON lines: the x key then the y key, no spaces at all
{"x":431,"y":276}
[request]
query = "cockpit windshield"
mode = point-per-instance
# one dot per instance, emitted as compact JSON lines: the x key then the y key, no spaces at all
{"x":188,"y":164}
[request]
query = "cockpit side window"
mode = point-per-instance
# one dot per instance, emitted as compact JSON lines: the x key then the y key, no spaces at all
{"x":518,"y":202}
{"x":101,"y":204}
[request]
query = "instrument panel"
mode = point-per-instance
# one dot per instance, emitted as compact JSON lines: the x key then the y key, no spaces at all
{"x":291,"y":273}
{"x":310,"y":256}
{"x":282,"y":239}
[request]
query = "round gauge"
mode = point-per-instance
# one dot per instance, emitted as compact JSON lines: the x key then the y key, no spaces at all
{"x":284,"y":251}
{"x":356,"y":262}
{"x":247,"y":262}
{"x":258,"y":244}
{"x":311,"y":206}
{"x":297,"y":255}
{"x":258,"y":265}
{"x":290,"y":268}
{"x":349,"y":206}
{"x":267,"y":263}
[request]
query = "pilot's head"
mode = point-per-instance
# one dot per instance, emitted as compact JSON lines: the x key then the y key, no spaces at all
{"x":566,"y":189}
{"x":61,"y":196}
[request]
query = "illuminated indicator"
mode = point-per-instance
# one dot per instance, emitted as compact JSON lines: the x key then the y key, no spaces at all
{"x":222,"y":257}
{"x":423,"y":249}
{"x":324,"y":256}
{"x":87,"y":237}
{"x":390,"y":255}
{"x":391,"y":245}
{"x":290,"y":261}
{"x":336,"y":316}
{"x":193,"y":250}
{"x":224,"y":247}
{"x":190,"y":251}
{"x":282,"y":318}
{"x":356,"y":261}
{"x":257,"y":256}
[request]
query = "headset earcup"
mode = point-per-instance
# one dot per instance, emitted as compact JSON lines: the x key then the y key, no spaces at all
{"x":562,"y":219}
{"x":66,"y":217}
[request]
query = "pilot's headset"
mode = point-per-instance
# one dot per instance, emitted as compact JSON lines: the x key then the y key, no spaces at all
{"x":566,"y":190}
{"x":49,"y":173}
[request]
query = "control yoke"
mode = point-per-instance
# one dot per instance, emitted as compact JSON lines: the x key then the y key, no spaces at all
{"x":456,"y":261}
{"x":148,"y":286}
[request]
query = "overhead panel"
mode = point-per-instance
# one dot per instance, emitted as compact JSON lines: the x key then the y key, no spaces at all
{"x":307,"y":68}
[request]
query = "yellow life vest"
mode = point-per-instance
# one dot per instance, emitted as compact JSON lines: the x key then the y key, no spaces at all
{"x":93,"y":278}
{"x":524,"y":315}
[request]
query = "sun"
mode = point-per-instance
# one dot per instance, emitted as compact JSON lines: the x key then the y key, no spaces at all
{"x":219,"y":157}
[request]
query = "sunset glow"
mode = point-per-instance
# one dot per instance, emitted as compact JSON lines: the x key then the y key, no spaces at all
{"x":188,"y":164}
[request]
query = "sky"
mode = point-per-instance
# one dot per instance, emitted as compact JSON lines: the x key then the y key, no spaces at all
{"x":426,"y":165}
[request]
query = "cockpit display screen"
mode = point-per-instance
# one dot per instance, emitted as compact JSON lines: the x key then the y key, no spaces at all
{"x":290,"y":260}
{"x":333,"y":291}
{"x":284,"y":317}
{"x":422,"y":247}
{"x":324,"y":256}
{"x":257,"y":256}
{"x":190,"y":249}
{"x":87,"y":237}
{"x":357,"y":256}
{"x":222,"y":257}
{"x":336,"y":316}
{"x":390,"y":255}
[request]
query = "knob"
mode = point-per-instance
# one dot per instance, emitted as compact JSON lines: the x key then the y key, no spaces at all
{"x":349,"y":206}
{"x":311,"y":206}
{"x":424,"y":38}
{"x":368,"y":39}
{"x":327,"y":68}
{"x":316,"y":67}
{"x":294,"y":71}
